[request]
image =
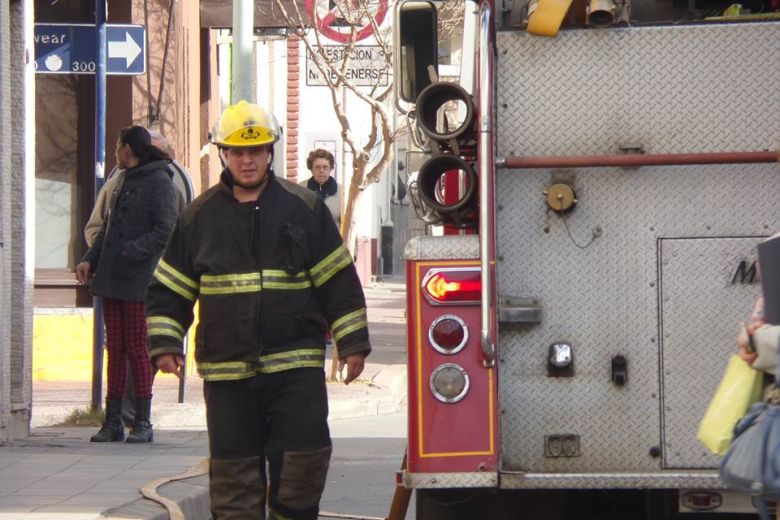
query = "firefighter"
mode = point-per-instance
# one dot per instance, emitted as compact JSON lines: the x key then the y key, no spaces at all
{"x":267,"y":264}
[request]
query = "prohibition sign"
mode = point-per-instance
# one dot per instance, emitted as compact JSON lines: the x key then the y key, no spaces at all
{"x":326,"y":27}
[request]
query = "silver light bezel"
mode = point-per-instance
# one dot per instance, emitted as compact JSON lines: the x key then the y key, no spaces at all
{"x":439,"y":396}
{"x":438,"y":348}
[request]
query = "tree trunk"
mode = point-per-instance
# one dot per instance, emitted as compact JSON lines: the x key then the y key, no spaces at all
{"x":347,"y":219}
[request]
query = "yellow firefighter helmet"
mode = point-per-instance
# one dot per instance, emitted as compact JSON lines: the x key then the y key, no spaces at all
{"x":245,"y":124}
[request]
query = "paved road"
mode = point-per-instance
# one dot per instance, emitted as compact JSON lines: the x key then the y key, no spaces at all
{"x":386,"y":304}
{"x":367,"y":452}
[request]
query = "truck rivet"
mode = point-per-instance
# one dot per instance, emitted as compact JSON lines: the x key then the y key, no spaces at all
{"x":655,"y":452}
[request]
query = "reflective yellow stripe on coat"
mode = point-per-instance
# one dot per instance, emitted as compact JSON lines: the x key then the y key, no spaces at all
{"x":253,"y":282}
{"x":267,"y":364}
{"x":176,"y":281}
{"x":330,"y":265}
{"x":164,"y":326}
{"x":351,"y":322}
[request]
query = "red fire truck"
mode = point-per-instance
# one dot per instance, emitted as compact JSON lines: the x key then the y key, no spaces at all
{"x":601,"y":173}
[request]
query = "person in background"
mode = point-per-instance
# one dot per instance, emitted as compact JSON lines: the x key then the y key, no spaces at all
{"x":321,"y":163}
{"x":264,"y":260}
{"x":764,"y":339}
{"x":107,"y":195}
{"x":104,"y":201}
{"x":123,"y":257}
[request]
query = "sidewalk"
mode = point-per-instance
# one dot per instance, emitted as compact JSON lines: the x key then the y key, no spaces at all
{"x":380,"y":389}
{"x":57,"y":474}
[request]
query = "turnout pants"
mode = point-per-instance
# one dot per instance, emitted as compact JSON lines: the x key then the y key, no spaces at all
{"x":276,"y":418}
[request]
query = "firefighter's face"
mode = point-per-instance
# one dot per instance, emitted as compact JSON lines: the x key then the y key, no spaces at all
{"x":248,"y":166}
{"x":320,"y":170}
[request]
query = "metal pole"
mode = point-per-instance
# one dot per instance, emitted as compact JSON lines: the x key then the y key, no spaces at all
{"x":243,"y":65}
{"x":183,"y":378}
{"x":100,"y":167}
{"x":633,"y":160}
{"x":485,"y":154}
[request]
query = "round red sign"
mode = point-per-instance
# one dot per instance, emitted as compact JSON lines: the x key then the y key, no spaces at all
{"x":331,"y":23}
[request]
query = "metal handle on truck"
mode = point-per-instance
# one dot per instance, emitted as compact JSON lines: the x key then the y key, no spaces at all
{"x":485,"y":160}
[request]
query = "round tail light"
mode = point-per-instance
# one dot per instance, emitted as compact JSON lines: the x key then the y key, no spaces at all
{"x":448,"y":334}
{"x":449,"y":383}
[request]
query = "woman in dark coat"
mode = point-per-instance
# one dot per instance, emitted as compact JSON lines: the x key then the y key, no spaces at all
{"x":123,"y":258}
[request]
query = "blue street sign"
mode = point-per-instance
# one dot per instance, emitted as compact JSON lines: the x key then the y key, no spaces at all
{"x":70,"y":49}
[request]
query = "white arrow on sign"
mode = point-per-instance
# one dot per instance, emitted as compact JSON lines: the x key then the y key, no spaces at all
{"x":128,"y":49}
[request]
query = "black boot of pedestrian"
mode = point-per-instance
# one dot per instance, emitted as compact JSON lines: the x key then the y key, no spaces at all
{"x":142,"y":429}
{"x":112,"y":429}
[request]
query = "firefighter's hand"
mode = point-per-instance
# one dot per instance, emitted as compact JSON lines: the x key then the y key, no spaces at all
{"x":170,"y":364}
{"x":355,"y":364}
{"x":82,"y":272}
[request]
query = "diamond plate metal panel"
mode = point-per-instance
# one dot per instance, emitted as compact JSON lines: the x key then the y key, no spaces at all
{"x":603,"y":299}
{"x":670,"y":89}
{"x":450,"y":247}
{"x":699,"y":310}
{"x":450,"y":480}
{"x":658,"y":480}
{"x":596,"y":269}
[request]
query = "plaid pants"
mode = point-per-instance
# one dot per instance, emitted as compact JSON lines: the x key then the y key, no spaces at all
{"x":126,"y":340}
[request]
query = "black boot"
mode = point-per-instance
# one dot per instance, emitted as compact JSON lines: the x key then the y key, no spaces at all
{"x":128,"y":400}
{"x":112,"y":430}
{"x":142,"y":429}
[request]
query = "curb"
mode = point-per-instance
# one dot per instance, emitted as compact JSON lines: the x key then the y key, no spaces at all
{"x":384,"y":393}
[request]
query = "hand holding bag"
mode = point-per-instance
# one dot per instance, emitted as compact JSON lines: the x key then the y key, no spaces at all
{"x":740,"y":387}
{"x":752,"y":463}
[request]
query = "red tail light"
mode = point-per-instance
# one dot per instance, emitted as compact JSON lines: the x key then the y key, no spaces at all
{"x":452,"y":285}
{"x":448,"y":334}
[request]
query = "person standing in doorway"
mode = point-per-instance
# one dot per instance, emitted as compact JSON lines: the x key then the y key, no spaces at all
{"x":267,"y":265}
{"x":123,"y":258}
{"x":321,"y":163}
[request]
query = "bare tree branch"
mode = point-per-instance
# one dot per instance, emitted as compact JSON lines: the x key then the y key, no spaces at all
{"x":334,"y":70}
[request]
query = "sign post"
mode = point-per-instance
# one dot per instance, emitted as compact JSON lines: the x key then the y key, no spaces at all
{"x":99,"y":47}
